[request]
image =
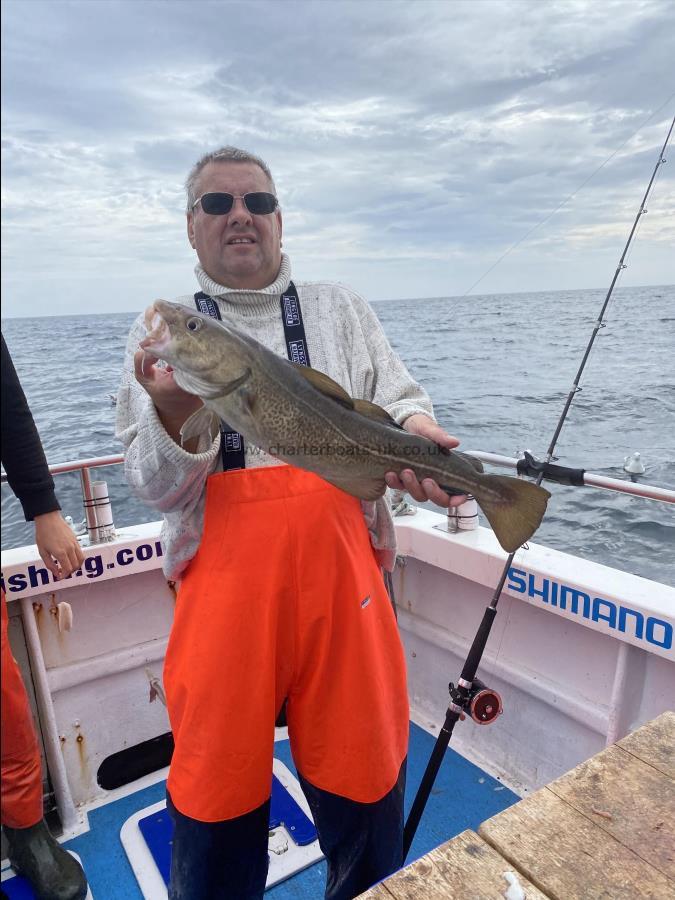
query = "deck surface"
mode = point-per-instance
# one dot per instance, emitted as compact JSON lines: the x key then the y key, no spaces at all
{"x":463,"y":797}
{"x":604,"y":831}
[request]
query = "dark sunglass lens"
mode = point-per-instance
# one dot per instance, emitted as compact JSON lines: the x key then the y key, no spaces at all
{"x":217,"y":204}
{"x":260,"y":203}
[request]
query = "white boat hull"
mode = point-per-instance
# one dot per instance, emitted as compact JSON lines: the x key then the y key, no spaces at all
{"x":570,"y":683}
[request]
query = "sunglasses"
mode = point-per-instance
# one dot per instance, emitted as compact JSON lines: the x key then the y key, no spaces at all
{"x":218,"y":203}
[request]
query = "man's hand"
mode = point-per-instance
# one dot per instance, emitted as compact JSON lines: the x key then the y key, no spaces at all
{"x":57,"y":544}
{"x":173,"y":404}
{"x":427,"y":489}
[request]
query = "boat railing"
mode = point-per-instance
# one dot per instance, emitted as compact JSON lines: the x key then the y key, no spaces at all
{"x":97,"y":532}
{"x":96,"y":503}
{"x":637,"y":488}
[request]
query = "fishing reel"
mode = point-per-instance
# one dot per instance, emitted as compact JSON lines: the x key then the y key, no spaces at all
{"x":479,"y":701}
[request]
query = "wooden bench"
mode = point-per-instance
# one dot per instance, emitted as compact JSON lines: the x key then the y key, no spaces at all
{"x":604,"y":830}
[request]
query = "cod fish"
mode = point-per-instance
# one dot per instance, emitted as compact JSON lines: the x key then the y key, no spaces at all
{"x":304,"y":418}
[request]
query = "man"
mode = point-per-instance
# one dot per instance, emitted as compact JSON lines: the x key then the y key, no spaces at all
{"x":52,"y":872}
{"x":281,"y":598}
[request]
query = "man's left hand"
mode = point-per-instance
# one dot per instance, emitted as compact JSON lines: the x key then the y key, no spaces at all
{"x":427,"y":489}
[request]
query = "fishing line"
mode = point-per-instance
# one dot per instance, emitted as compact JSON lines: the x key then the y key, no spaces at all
{"x":469,"y":689}
{"x":567,"y":199}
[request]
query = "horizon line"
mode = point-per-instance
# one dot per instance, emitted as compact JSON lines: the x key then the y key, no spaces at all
{"x":387,"y":300}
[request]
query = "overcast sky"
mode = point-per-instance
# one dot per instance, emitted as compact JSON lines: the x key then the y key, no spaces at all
{"x":412,"y":142}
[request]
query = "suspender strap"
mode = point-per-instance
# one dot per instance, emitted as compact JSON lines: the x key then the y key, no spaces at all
{"x":294,"y":329}
{"x":232,"y":447}
{"x":207,"y":305}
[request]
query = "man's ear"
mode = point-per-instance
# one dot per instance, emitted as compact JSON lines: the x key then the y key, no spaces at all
{"x":280,"y":224}
{"x":191,"y":229}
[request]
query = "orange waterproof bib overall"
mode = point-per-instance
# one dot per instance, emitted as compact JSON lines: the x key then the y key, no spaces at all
{"x":283,"y":600}
{"x":21,"y":787}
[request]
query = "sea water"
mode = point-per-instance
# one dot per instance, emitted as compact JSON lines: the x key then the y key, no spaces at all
{"x":498,"y":369}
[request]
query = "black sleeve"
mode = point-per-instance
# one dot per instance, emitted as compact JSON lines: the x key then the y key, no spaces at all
{"x":22,"y":454}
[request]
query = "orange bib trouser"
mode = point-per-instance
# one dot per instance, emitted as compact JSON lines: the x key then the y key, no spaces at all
{"x":284,"y":600}
{"x":21,"y":787}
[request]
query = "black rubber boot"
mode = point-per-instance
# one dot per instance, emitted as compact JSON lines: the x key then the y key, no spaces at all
{"x":52,"y":872}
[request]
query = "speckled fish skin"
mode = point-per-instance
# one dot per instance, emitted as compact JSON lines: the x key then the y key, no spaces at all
{"x":305,"y":419}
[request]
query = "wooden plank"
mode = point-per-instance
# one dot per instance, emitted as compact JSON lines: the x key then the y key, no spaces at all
{"x":465,"y":868}
{"x":604,"y":831}
{"x":568,"y":857}
{"x":628,"y":799}
{"x":654,"y":743}
{"x":379,"y":892}
{"x":418,"y":881}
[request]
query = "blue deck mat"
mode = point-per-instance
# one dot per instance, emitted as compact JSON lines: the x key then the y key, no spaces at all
{"x":157,"y":828}
{"x":17,"y":888}
{"x":463,"y":797}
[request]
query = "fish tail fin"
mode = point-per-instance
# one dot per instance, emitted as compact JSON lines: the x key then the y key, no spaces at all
{"x":518,"y":513}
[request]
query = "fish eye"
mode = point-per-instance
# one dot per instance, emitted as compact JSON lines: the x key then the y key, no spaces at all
{"x":194,"y":324}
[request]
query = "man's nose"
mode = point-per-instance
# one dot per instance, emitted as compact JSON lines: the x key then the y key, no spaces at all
{"x":239,"y":213}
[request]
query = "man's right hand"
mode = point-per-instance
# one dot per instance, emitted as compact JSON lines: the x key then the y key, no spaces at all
{"x":174,"y":405}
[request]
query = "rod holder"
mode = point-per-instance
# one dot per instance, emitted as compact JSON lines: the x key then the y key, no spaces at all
{"x":97,"y":509}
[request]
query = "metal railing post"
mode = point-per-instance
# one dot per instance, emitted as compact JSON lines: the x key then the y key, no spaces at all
{"x":89,"y":508}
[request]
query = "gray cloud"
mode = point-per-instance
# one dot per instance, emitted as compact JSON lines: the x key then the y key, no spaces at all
{"x":412,"y":144}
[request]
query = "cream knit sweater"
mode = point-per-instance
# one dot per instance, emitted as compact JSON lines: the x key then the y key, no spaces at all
{"x":345,"y":340}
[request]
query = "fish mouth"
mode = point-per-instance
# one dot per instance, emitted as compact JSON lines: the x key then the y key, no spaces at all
{"x":158,"y":337}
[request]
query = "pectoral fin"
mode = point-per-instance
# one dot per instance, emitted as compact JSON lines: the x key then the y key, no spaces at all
{"x":476,"y":463}
{"x":204,"y":420}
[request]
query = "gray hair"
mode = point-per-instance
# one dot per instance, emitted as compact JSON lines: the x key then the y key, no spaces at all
{"x":224,"y":154}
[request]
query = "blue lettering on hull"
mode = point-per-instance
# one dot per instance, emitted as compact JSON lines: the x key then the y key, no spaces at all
{"x":616,"y":616}
{"x":93,"y":567}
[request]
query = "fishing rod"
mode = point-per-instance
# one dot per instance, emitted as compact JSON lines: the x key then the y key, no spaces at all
{"x":470,"y":696}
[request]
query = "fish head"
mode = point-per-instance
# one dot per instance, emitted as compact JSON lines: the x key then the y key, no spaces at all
{"x":179,"y":336}
{"x":203,"y":353}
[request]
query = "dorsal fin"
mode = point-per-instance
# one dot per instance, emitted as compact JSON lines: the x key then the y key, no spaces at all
{"x":476,"y":463}
{"x":325,"y":384}
{"x":471,"y":460}
{"x":373,"y":411}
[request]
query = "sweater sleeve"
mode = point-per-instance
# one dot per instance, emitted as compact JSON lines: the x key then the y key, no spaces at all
{"x":22,"y":454}
{"x":383,"y":377}
{"x":159,"y":471}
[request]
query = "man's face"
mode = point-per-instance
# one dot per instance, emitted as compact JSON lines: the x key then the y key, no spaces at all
{"x":240,"y":250}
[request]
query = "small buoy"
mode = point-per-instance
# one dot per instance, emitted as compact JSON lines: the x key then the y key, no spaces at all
{"x":64,"y":616}
{"x":633,"y":464}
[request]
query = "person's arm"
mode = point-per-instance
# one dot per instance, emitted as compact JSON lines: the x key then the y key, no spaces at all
{"x":28,"y":476}
{"x":22,"y":454}
{"x":150,"y":411}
